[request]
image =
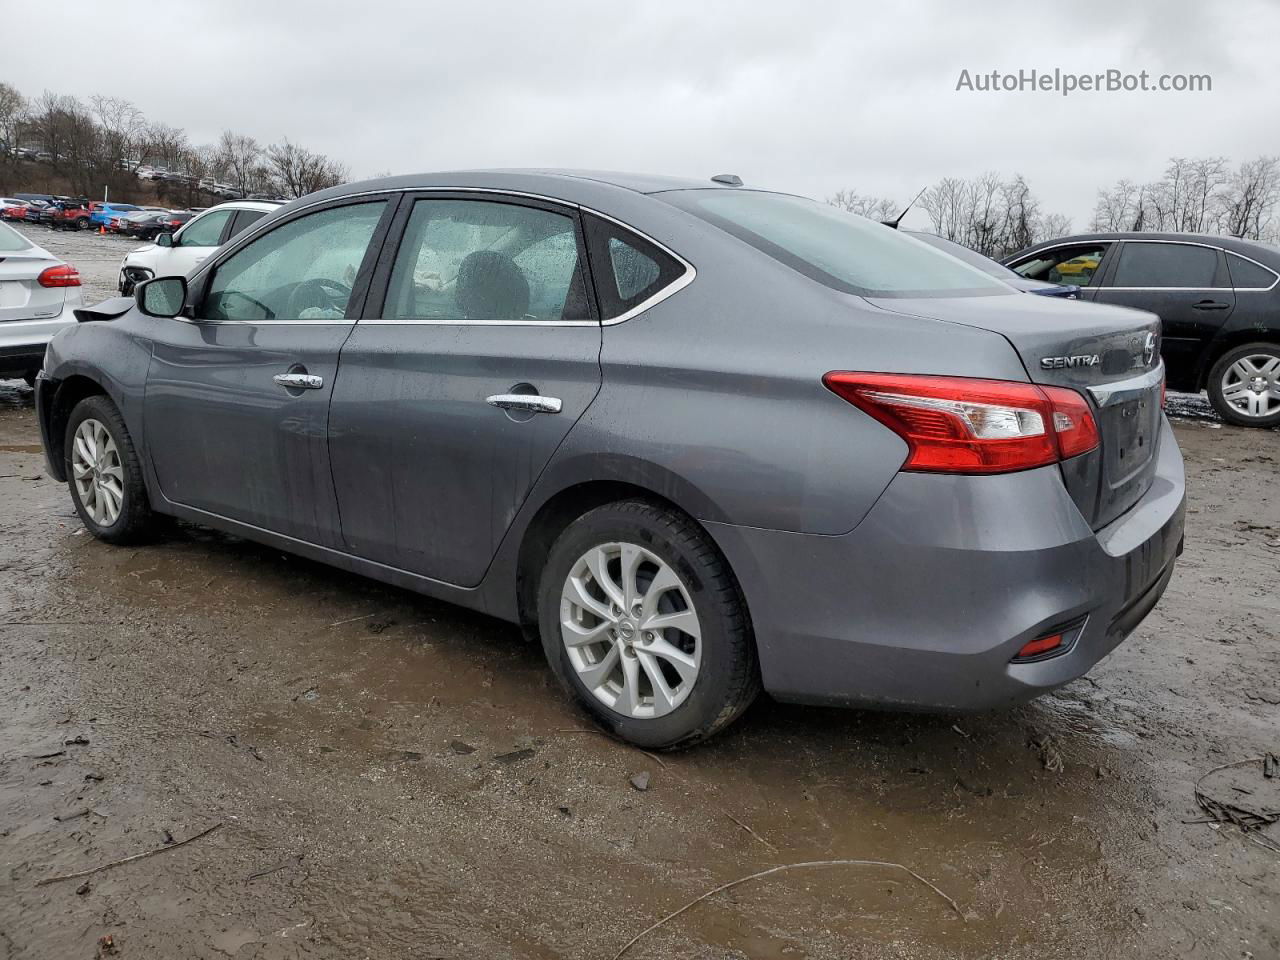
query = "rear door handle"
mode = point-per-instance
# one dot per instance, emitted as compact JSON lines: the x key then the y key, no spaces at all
{"x":530,"y":402}
{"x":299,"y":381}
{"x":1211,"y":305}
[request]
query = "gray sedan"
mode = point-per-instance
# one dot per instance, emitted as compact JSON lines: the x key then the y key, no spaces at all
{"x":697,"y":439}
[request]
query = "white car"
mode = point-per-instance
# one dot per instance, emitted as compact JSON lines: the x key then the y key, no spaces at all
{"x":178,"y":254}
{"x":38,"y":293}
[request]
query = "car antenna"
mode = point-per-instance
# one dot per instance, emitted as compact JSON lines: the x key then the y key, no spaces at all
{"x":898,"y":219}
{"x":730,"y":179}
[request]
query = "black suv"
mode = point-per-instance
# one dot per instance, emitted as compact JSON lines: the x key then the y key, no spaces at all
{"x":1217,"y":298}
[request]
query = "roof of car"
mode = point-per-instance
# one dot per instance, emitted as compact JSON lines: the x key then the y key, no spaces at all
{"x":1256,"y":249}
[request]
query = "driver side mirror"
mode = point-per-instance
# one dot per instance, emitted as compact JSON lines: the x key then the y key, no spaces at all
{"x":162,"y":297}
{"x":164,"y":240}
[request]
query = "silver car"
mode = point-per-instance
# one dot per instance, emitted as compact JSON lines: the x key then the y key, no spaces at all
{"x":697,"y":439}
{"x":38,"y":293}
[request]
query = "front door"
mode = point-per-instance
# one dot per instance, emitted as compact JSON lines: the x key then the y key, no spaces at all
{"x":478,"y":351}
{"x":194,"y":243}
{"x":1187,"y":285}
{"x":237,"y":398}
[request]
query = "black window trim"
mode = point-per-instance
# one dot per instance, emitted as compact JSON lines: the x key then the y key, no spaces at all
{"x":675,"y":286}
{"x":198,"y":284}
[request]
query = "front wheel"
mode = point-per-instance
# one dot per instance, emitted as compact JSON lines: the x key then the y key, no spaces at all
{"x":644,"y":623}
{"x":104,"y":473}
{"x":1244,"y":385}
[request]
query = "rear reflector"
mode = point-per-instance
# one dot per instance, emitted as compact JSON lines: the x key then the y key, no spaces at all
{"x":63,"y":275}
{"x":1037,"y":648}
{"x":967,"y":425}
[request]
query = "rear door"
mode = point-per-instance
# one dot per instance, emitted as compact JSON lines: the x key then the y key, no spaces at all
{"x":237,"y":397}
{"x":1186,"y":285}
{"x":478,"y":351}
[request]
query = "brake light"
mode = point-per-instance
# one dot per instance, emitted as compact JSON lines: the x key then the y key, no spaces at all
{"x":967,"y":425}
{"x":63,"y":275}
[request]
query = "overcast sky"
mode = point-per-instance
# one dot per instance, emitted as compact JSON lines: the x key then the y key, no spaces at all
{"x":809,"y":97}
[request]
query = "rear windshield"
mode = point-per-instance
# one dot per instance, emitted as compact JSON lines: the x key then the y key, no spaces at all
{"x":842,"y":250}
{"x":11,"y":240}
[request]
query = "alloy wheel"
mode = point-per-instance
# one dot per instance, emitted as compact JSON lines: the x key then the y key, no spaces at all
{"x":630,"y":630}
{"x":97,"y":472}
{"x":1251,"y":385}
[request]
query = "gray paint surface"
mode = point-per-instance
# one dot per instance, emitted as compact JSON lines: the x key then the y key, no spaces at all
{"x":889,"y":587}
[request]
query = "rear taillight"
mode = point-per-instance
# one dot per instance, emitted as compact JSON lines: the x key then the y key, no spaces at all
{"x":63,"y":275}
{"x":964,"y":425}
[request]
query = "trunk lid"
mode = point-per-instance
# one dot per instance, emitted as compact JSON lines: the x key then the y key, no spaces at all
{"x":1111,"y":355}
{"x":21,"y":296}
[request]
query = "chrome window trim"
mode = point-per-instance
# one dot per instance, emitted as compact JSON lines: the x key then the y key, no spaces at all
{"x":674,"y":287}
{"x":1185,"y":243}
{"x":1055,"y":246}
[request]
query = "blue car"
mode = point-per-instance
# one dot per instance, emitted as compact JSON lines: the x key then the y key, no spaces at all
{"x":103,"y":212}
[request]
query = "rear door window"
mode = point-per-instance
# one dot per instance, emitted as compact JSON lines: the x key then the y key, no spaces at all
{"x":1144,"y":264}
{"x":487,"y":261}
{"x":1074,"y":265}
{"x":243,"y":219}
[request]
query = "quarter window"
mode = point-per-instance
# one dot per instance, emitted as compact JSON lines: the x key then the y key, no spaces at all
{"x":1165,"y":265}
{"x":1064,"y":265}
{"x":487,"y":261}
{"x":302,"y":270}
{"x":1245,"y":274}
{"x":205,"y":231}
{"x":629,"y":269}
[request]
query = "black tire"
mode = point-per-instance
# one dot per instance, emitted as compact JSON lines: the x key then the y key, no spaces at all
{"x":135,"y":520}
{"x":30,"y":378}
{"x":1218,"y":373}
{"x":728,"y":676}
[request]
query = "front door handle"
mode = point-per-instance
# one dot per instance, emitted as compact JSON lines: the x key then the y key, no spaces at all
{"x":528,"y":402}
{"x":1211,"y":305}
{"x":299,"y":381}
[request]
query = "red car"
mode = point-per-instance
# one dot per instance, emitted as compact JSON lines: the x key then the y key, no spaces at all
{"x":71,"y":215}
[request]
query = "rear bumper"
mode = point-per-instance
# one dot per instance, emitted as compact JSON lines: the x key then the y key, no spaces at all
{"x":927,"y":601}
{"x":23,"y":342}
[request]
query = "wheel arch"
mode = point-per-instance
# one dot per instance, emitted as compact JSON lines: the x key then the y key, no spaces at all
{"x":1228,"y":341}
{"x":555,"y":514}
{"x":71,"y":390}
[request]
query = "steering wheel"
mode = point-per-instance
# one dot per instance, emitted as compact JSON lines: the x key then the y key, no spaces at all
{"x":320,"y":293}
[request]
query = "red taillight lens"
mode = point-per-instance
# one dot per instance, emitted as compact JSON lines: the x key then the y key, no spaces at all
{"x":964,"y":425}
{"x":63,"y":275}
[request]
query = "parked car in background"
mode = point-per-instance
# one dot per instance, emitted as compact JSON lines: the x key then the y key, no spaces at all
{"x":11,"y":208}
{"x":22,"y":210}
{"x":993,"y":268}
{"x":71,"y":215}
{"x":698,"y":438}
{"x":103,"y":213}
{"x":37,"y":295}
{"x":1217,"y":297}
{"x":153,"y":224}
{"x":177,"y":254}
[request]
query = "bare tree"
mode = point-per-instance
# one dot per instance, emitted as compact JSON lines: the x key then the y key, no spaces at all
{"x":1251,"y":199}
{"x":164,"y":146}
{"x":13,"y":114}
{"x":241,"y":157}
{"x":873,"y":208}
{"x":297,"y":171}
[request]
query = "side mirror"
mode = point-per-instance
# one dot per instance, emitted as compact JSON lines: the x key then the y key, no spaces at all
{"x":164,"y":240}
{"x":161,"y":296}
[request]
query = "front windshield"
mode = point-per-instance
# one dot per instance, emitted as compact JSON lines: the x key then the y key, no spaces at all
{"x":842,"y":250}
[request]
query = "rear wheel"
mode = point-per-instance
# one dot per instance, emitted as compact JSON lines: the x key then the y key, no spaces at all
{"x":82,"y":224}
{"x":104,"y":473}
{"x":643,"y":622}
{"x":1244,"y":385}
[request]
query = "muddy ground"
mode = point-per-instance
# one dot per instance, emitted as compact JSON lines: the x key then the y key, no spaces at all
{"x":391,"y":777}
